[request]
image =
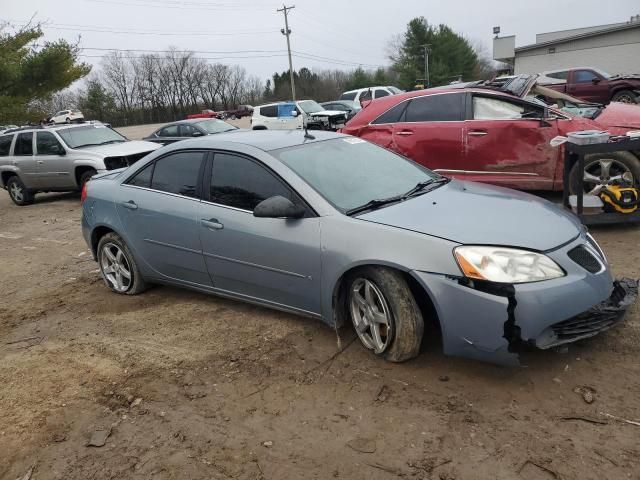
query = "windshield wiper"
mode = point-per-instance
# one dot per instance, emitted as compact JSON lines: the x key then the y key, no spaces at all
{"x":371,"y":204}
{"x":421,"y":187}
{"x":111,"y":141}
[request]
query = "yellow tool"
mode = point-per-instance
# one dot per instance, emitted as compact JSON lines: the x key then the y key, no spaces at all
{"x":620,"y":199}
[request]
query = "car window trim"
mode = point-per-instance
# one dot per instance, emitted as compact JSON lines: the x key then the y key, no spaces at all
{"x":407,"y":100}
{"x":506,"y":99}
{"x":207,"y":183}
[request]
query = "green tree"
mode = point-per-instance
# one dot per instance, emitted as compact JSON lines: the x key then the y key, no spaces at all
{"x":28,"y":74}
{"x":97,"y":102}
{"x":450,"y":55}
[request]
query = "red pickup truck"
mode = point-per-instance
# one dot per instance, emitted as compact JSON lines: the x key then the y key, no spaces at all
{"x":204,"y":114}
{"x":239,"y":112}
{"x":593,"y":85}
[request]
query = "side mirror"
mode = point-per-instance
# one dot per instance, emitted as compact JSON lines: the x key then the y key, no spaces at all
{"x":278,"y":207}
{"x":596,"y":81}
{"x":294,"y":113}
{"x":197,"y":134}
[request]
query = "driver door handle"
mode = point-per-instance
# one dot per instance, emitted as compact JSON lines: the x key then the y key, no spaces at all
{"x":131,"y":205}
{"x":40,"y":162}
{"x":478,"y":133}
{"x":405,"y":133}
{"x":212,"y":224}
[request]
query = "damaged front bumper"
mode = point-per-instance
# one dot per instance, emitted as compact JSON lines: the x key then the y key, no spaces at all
{"x":494,"y":322}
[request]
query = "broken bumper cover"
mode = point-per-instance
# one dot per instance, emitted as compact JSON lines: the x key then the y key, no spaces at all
{"x":493,"y":326}
{"x":595,"y":320}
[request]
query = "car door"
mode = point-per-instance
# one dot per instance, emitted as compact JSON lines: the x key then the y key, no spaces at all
{"x":588,"y":85}
{"x":269,"y":117}
{"x":158,"y":208}
{"x":430,"y":131}
{"x":54,"y":168}
{"x":508,"y":143}
{"x":290,"y":116}
{"x":24,"y":159}
{"x":270,"y":259}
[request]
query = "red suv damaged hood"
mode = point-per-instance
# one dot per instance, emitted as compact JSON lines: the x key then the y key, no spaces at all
{"x":619,"y":118}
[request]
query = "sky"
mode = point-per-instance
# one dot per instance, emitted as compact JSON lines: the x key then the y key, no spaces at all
{"x":326,"y":34}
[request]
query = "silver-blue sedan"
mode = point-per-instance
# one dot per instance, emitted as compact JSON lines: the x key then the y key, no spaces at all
{"x":335,"y":228}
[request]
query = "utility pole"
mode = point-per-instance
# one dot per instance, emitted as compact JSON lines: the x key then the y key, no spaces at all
{"x":426,"y":64}
{"x":286,"y":32}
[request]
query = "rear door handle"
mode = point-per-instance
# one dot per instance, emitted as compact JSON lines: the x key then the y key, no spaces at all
{"x":131,"y":205}
{"x":40,"y":162}
{"x":405,"y":133}
{"x":478,"y":133}
{"x":212,"y":224}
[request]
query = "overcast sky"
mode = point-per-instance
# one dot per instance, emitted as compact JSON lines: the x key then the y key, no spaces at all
{"x":329,"y":33}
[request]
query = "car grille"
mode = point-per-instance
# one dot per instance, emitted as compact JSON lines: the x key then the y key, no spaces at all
{"x":587,"y":260}
{"x":111,"y":163}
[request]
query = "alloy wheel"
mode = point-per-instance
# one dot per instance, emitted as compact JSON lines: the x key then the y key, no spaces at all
{"x":16,"y":192}
{"x":115,"y":267}
{"x":626,"y":98}
{"x":371,"y":315}
{"x":603,"y":172}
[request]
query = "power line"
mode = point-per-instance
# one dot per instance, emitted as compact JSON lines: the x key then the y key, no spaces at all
{"x":181,"y":5}
{"x":181,"y":34}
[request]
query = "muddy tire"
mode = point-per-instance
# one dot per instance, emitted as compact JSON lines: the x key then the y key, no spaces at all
{"x":625,"y":96}
{"x":118,"y":267}
{"x":602,"y":168}
{"x":18,"y":193}
{"x":85,"y":177}
{"x":384,"y":313}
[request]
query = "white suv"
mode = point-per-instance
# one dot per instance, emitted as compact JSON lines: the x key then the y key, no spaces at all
{"x":296,"y":115}
{"x":67,"y":116}
{"x":369,"y":93}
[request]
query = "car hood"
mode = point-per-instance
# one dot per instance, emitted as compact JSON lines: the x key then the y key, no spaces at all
{"x":626,"y":76}
{"x":474,"y":213}
{"x":327,"y":113}
{"x":620,"y":115}
{"x":121,"y":149}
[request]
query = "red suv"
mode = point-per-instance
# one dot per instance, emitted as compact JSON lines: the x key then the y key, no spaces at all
{"x":488,"y":135}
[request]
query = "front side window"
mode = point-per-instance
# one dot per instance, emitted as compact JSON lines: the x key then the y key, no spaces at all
{"x":585,"y":76}
{"x":177,"y":173}
{"x":436,"y":108}
{"x":242,"y":183}
{"x":170,"y":131}
{"x":379,"y":93}
{"x":349,"y":96}
{"x":485,"y":108}
{"x":90,"y":136}
{"x":349,"y":171}
{"x":48,"y":144}
{"x":187,"y":131}
{"x":24,"y":144}
{"x":5,"y":145}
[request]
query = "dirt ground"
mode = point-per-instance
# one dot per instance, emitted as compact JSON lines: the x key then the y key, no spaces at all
{"x":191,"y":386}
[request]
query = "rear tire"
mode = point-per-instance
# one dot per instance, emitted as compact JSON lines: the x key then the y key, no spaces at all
{"x":625,"y":96}
{"x":385,"y":314}
{"x":67,"y":120}
{"x":118,"y":266}
{"x":18,"y":193}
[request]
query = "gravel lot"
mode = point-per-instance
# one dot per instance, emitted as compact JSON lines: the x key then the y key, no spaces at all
{"x":198,"y":387}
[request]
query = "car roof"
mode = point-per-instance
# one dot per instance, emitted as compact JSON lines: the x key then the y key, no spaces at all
{"x":266,"y":140}
{"x":55,"y":127}
{"x":366,"y":88}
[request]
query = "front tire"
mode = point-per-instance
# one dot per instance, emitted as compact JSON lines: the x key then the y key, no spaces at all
{"x":67,"y":120}
{"x":118,"y":267}
{"x":19,"y":194}
{"x":384,"y":313}
{"x":601,"y":170}
{"x":625,"y":96}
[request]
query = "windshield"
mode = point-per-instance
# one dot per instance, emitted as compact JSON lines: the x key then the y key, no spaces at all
{"x":602,"y":73}
{"x":77,"y":137}
{"x":349,"y":96}
{"x":310,"y":106}
{"x":395,"y":90}
{"x":349,"y":172}
{"x":215,"y":126}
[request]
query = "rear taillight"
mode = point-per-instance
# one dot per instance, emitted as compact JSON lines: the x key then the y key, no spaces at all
{"x":83,"y":194}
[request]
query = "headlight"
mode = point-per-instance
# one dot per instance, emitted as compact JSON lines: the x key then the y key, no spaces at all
{"x":505,"y":265}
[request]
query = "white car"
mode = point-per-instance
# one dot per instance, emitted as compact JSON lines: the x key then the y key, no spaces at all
{"x":295,"y":116}
{"x":67,"y":116}
{"x":369,"y":93}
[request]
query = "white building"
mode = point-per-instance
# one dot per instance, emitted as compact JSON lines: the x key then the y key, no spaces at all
{"x":614,"y":48}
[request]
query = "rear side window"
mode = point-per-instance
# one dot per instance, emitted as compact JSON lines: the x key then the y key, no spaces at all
{"x":395,"y":115}
{"x":436,"y":108}
{"x":270,"y":111}
{"x":24,"y":144}
{"x":5,"y":145}
{"x":170,"y":131}
{"x":142,"y":178}
{"x":177,"y":173}
{"x":349,"y":96}
{"x":241,"y":183}
{"x":558,"y":75}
